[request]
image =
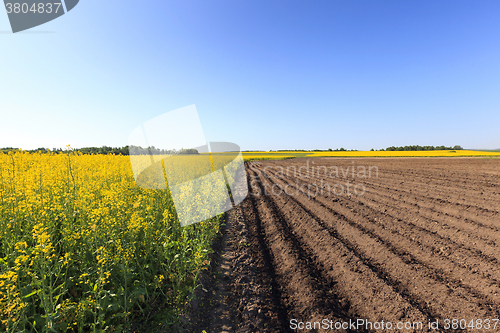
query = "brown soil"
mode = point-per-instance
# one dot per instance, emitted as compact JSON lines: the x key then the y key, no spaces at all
{"x":420,"y":244}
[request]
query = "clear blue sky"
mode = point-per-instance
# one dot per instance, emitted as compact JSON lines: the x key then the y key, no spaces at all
{"x":263,"y":74}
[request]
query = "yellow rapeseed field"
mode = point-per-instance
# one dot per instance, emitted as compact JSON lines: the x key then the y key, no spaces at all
{"x":84,"y":249}
{"x":248,"y":156}
{"x":422,"y":153}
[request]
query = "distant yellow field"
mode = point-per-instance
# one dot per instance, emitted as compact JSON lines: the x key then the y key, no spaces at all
{"x":427,"y":153}
{"x":265,"y":156}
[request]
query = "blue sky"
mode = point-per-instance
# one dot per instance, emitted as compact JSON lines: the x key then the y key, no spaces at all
{"x":262,"y":74}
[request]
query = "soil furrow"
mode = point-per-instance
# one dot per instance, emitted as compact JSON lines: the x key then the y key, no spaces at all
{"x":387,"y":262}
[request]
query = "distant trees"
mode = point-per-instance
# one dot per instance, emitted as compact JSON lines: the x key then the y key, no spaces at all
{"x":152,"y":150}
{"x":343,"y":149}
{"x":418,"y":148}
{"x":187,"y":152}
{"x":105,"y":150}
{"x":283,"y":150}
{"x":135,"y":150}
{"x":7,"y":149}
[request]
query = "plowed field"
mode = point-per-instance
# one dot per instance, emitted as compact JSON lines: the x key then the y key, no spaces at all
{"x":415,"y":242}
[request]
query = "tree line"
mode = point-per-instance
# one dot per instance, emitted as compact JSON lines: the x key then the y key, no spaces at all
{"x":152,"y":150}
{"x":392,"y":148}
{"x":418,"y":148}
{"x":105,"y":150}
